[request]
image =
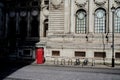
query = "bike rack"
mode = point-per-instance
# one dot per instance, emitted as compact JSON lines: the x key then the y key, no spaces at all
{"x":85,"y":62}
{"x":77,"y":62}
{"x":56,"y":61}
{"x":70,"y":62}
{"x":93,"y":62}
{"x":62,"y":61}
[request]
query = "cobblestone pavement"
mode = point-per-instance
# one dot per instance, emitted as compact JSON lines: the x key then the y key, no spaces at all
{"x":43,"y":72}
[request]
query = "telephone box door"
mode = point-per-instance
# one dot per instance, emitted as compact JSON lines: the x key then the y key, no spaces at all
{"x":39,"y":55}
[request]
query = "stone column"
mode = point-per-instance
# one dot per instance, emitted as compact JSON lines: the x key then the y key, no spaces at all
{"x":72,"y":22}
{"x":41,"y":26}
{"x":90,"y":14}
{"x":109,"y":36}
{"x":67,"y":16}
{"x":111,"y":2}
{"x":6,"y":21}
{"x":28,"y":26}
{"x":17,"y":23}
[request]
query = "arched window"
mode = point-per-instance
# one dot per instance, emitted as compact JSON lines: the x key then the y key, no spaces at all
{"x":45,"y":27}
{"x":12,"y":24}
{"x":117,"y":20}
{"x":34,"y":23}
{"x":100,"y":21}
{"x":80,"y":22}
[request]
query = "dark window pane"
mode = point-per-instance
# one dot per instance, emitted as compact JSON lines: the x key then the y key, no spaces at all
{"x":117,"y":55}
{"x":79,"y":54}
{"x":55,"y":53}
{"x":100,"y":54}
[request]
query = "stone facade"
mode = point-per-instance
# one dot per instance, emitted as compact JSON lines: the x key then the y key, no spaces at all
{"x":65,"y":29}
{"x":62,"y":41}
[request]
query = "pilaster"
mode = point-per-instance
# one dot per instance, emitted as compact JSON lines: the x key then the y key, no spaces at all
{"x":72,"y":22}
{"x":109,"y":36}
{"x":91,"y":16}
{"x":67,"y":16}
{"x":111,"y":2}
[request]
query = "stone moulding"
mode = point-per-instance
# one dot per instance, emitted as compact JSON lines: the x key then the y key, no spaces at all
{"x":56,"y":3}
{"x":89,"y":37}
{"x":100,"y":2}
{"x":45,"y":12}
{"x":81,"y":3}
{"x":117,"y":1}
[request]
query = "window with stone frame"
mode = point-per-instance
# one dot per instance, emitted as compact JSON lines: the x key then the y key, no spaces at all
{"x":80,"y":22}
{"x":100,"y":21}
{"x":117,"y":21}
{"x":80,"y":53}
{"x":117,"y":55}
{"x":99,"y":54}
{"x":55,"y":53}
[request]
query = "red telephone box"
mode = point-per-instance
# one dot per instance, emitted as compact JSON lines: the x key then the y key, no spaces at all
{"x":40,"y":55}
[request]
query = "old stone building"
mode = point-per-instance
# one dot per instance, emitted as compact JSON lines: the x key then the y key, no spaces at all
{"x":19,"y":28}
{"x":64,"y":29}
{"x":71,"y":29}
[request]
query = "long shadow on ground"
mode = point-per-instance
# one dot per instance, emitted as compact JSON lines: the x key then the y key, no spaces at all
{"x":8,"y":67}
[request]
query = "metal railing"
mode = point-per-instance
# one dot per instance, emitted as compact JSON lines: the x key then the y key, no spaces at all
{"x":56,"y":61}
{"x":80,"y":61}
{"x":62,"y":61}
